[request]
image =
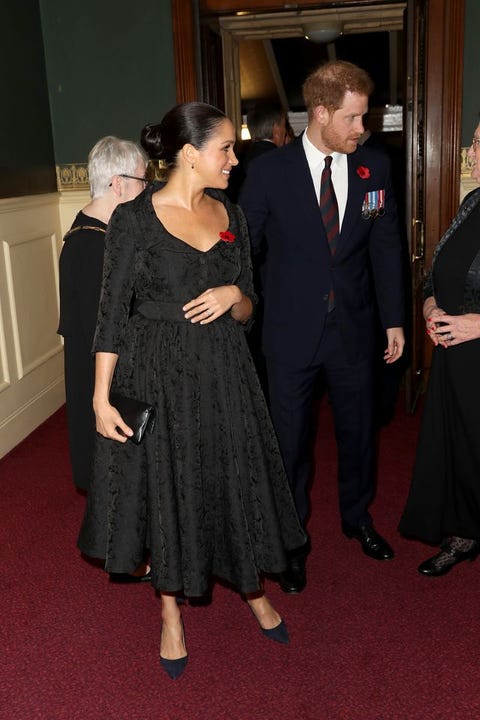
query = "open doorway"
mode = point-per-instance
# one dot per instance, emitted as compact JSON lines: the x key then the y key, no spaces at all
{"x":275,"y":70}
{"x":270,"y":53}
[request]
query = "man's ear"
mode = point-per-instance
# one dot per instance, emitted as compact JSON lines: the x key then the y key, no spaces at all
{"x":321,"y":114}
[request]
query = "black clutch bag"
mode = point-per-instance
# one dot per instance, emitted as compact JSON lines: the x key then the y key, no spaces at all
{"x":138,"y":415}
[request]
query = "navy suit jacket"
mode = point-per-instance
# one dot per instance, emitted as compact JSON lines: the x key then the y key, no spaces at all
{"x":279,"y":200}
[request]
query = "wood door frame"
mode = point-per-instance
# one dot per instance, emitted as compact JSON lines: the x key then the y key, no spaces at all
{"x":443,"y":116}
{"x":185,"y":49}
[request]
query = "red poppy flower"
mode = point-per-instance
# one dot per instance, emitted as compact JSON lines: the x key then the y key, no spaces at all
{"x":363,"y":172}
{"x":227,"y":236}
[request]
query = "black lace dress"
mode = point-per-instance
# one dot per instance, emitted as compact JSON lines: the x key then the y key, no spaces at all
{"x":444,"y":497}
{"x":206,"y":492}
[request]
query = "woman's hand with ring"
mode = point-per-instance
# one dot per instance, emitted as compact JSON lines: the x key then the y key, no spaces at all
{"x":457,"y":329}
{"x":211,"y":304}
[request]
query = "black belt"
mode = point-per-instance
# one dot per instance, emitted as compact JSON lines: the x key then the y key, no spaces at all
{"x":170,"y":311}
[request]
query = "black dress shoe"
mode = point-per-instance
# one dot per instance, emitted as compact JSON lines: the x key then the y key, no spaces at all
{"x":126,"y":578}
{"x":442,"y":562}
{"x":294,"y":578}
{"x":373,"y":544}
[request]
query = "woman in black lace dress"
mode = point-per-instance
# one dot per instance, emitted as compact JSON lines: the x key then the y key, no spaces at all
{"x":444,"y":501}
{"x":206,"y":491}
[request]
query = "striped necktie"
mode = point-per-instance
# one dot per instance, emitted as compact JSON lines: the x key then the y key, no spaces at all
{"x":328,"y":206}
{"x":329,"y":212}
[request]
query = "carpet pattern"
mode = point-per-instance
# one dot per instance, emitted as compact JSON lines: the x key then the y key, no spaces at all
{"x":369,"y":640}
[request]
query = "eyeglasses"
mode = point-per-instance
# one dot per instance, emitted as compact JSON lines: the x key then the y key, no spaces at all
{"x":475,"y":142}
{"x":131,"y":177}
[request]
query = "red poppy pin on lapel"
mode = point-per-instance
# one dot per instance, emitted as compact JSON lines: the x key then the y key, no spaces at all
{"x":363,"y":172}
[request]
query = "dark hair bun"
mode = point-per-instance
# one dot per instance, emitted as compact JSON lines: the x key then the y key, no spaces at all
{"x":192,"y":122}
{"x":151,"y":141}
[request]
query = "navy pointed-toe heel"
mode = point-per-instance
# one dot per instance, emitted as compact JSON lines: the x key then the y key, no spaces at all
{"x":279,"y":633}
{"x":174,"y":668}
{"x":126,"y":578}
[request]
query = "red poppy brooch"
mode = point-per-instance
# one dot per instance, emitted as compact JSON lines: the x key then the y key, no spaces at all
{"x":227,"y":236}
{"x":363,"y":172}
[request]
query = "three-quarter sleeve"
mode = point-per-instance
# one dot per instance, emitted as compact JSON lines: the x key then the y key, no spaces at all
{"x":117,"y":282}
{"x":245,"y":279}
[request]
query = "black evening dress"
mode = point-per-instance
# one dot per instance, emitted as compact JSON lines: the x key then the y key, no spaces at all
{"x":206,"y":492}
{"x":81,"y":265}
{"x":444,"y":497}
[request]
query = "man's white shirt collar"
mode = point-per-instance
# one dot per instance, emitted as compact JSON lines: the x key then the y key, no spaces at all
{"x":316,"y":163}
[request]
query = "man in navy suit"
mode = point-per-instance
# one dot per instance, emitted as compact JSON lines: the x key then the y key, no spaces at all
{"x":324,"y":205}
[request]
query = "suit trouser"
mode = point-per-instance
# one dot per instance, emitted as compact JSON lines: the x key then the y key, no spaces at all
{"x":350,"y":390}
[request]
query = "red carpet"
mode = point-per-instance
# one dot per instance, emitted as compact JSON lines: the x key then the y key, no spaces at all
{"x":369,"y":641}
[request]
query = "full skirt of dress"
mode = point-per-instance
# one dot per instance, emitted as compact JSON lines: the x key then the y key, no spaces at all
{"x":206,"y":491}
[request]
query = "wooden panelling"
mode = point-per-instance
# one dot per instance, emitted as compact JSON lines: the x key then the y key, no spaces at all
{"x":444,"y":58}
{"x":31,"y":352}
{"x":184,"y":46}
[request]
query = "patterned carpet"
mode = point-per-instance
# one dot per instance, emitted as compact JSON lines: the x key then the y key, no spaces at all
{"x":369,"y":640}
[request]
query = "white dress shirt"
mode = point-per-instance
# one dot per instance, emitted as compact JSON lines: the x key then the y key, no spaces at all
{"x":316,"y":163}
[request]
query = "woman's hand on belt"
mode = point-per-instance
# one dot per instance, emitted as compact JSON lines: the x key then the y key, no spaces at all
{"x":212,"y":303}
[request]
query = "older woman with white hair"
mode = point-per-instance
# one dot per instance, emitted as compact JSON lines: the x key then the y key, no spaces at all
{"x":116,"y":170}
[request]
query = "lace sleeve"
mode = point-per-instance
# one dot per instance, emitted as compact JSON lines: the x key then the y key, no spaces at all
{"x":245,"y":280}
{"x":117,"y":282}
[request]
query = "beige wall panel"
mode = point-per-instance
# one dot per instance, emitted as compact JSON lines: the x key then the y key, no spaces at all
{"x":32,"y":272}
{"x":4,"y":370}
{"x":31,"y":353}
{"x":70,"y":203}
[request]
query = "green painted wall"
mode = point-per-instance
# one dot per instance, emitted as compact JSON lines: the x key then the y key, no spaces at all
{"x":471,"y":77}
{"x":27,"y":164}
{"x":110,"y":70}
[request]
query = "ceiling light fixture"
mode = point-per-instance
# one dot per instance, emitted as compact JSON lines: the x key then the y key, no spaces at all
{"x":323,"y":32}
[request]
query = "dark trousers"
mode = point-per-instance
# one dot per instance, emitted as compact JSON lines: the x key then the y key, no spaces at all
{"x":292,"y":392}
